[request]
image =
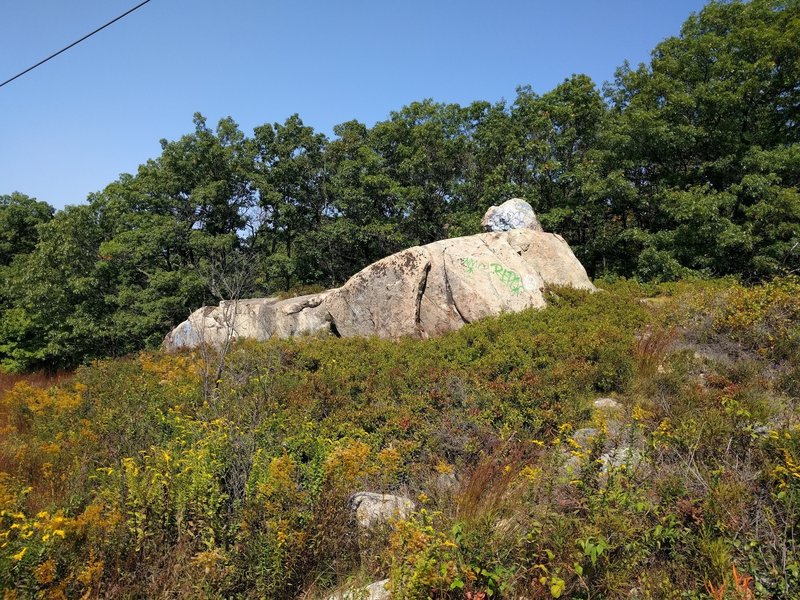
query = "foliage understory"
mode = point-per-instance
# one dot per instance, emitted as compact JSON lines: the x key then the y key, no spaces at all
{"x":146,"y":477}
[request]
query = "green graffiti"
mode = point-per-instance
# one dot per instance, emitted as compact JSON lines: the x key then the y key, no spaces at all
{"x":473,"y":265}
{"x":508,"y":277}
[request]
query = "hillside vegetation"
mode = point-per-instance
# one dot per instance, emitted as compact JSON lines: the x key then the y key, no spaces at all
{"x":687,"y":165}
{"x":150,"y":476}
{"x":641,"y":442}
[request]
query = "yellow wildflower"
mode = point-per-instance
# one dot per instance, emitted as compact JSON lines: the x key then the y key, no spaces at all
{"x":18,"y":556}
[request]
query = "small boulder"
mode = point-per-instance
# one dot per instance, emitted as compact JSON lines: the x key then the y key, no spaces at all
{"x":623,"y":456}
{"x":445,"y":483}
{"x":607,"y":404}
{"x":373,"y":509}
{"x":585,"y":436}
{"x":374,"y":591}
{"x":511,"y":214}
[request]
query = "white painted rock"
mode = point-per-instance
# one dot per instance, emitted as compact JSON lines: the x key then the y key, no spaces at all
{"x":511,"y":214}
{"x":373,"y":509}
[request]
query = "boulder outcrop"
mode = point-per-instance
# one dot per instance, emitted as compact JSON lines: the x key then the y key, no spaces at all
{"x":423,"y":291}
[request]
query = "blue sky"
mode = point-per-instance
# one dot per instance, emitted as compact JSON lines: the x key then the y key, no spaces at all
{"x":73,"y":125}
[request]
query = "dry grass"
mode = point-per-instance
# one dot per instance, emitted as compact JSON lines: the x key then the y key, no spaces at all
{"x":489,"y":485}
{"x":39,"y":379}
{"x":652,"y":346}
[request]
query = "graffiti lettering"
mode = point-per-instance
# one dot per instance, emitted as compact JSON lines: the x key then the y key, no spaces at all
{"x":508,"y":277}
{"x":473,"y":265}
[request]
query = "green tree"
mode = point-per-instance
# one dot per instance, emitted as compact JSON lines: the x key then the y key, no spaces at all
{"x":290,"y":176}
{"x":20,"y":215}
{"x":427,"y":155}
{"x":59,"y":313}
{"x":167,"y":225}
{"x":689,"y":131}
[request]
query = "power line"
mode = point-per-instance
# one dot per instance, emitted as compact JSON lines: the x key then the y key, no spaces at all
{"x":87,"y":36}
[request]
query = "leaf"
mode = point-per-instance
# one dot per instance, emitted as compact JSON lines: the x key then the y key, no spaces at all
{"x":556,"y":587}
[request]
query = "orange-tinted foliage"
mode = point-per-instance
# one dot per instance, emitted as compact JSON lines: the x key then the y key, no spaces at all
{"x":40,"y":379}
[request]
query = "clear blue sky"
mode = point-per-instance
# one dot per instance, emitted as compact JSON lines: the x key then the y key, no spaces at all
{"x":73,"y":125}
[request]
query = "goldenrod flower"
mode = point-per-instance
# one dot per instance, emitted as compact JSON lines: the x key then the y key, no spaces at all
{"x":18,"y":556}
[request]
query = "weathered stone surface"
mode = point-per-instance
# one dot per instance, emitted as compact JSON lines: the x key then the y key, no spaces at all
{"x":426,"y":291}
{"x":256,"y":318}
{"x":485,"y":276}
{"x":619,"y":457}
{"x":607,"y":404}
{"x":585,"y":436}
{"x":444,"y":483}
{"x":304,"y":315}
{"x":374,"y":591}
{"x":217,"y":325}
{"x":382,"y":299}
{"x":511,"y":214}
{"x":373,"y":509}
{"x":549,"y":255}
{"x":421,"y":292}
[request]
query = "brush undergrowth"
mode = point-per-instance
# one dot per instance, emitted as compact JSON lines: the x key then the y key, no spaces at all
{"x":136,"y":478}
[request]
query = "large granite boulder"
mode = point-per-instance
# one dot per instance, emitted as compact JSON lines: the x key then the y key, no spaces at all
{"x":427,"y":290}
{"x":421,"y":292}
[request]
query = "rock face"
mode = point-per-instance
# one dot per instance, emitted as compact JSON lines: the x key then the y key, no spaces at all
{"x":257,"y":318}
{"x":373,"y":509}
{"x":421,"y":292}
{"x":511,"y":214}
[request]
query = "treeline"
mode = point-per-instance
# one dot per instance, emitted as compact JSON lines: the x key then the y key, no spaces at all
{"x":688,"y":165}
